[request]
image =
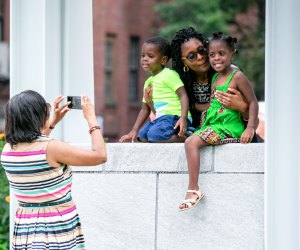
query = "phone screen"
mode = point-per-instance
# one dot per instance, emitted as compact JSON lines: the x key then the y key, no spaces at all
{"x":75,"y":102}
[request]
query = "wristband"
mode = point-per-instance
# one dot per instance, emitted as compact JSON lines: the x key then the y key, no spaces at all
{"x":51,"y":127}
{"x":93,"y":128}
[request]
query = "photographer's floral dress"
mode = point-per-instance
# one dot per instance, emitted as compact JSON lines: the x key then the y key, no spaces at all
{"x":46,"y":217}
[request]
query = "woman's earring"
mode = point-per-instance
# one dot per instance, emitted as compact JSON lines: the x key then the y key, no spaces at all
{"x":185,"y":68}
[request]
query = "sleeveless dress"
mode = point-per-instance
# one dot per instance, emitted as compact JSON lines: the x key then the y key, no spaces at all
{"x":221,"y":125}
{"x":46,"y":217}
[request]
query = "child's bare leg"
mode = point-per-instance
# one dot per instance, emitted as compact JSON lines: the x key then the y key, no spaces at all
{"x":192,"y":146}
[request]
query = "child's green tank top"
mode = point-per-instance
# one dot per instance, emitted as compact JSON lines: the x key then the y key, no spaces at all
{"x":224,"y":121}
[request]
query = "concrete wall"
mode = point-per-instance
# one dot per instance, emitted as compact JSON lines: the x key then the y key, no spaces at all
{"x":131,"y":202}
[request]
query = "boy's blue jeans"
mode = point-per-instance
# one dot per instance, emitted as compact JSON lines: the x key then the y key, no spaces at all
{"x":161,"y":129}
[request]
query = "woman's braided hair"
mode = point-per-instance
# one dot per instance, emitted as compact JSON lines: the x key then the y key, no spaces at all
{"x":188,"y":77}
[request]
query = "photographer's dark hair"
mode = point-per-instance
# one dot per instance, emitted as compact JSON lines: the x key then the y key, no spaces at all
{"x":162,"y":44}
{"x":25,"y":116}
{"x":188,"y":77}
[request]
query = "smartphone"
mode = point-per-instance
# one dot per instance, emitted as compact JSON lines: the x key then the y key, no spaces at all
{"x":75,"y":102}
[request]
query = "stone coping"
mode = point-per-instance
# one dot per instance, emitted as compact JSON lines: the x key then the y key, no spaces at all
{"x":170,"y":158}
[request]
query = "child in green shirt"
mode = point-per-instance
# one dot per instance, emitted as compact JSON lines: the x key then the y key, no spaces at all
{"x":170,"y":101}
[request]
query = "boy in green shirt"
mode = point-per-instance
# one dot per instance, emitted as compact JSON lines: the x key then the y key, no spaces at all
{"x":169,"y":98}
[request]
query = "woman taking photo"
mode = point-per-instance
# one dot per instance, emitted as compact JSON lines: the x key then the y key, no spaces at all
{"x":39,"y":173}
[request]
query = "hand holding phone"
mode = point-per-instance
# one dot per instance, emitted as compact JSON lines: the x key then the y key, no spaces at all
{"x":75,"y":102}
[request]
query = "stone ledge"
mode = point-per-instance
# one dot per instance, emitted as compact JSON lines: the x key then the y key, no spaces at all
{"x":170,"y":157}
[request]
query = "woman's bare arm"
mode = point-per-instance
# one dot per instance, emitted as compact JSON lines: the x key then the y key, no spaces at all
{"x":63,"y":153}
{"x":244,"y":86}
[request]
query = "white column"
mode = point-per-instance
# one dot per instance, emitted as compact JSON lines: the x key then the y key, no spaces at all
{"x":27,"y":45}
{"x":52,"y":53}
{"x":282,"y":162}
{"x":51,"y":45}
{"x":78,"y":73}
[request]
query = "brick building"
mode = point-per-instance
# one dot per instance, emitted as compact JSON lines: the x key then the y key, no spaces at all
{"x":120,"y":27}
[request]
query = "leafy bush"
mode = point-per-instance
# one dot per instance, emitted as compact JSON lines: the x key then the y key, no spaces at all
{"x":4,"y":206}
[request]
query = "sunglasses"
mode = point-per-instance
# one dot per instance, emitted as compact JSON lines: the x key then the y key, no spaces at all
{"x":192,"y":56}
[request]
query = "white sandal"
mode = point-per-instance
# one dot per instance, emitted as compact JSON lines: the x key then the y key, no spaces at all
{"x":192,"y":202}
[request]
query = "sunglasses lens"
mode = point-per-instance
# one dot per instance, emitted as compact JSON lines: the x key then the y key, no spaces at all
{"x":192,"y":56}
{"x":202,"y":51}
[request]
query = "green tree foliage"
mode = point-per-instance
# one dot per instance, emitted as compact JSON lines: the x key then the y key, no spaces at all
{"x":180,"y":14}
{"x":242,"y":19}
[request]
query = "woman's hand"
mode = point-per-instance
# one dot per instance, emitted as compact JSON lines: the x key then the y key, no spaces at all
{"x":234,"y":101}
{"x":58,"y":111}
{"x":58,"y":114}
{"x":88,"y":111}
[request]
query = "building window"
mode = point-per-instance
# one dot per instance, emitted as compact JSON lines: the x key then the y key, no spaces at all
{"x":109,"y":70}
{"x":134,"y":57}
